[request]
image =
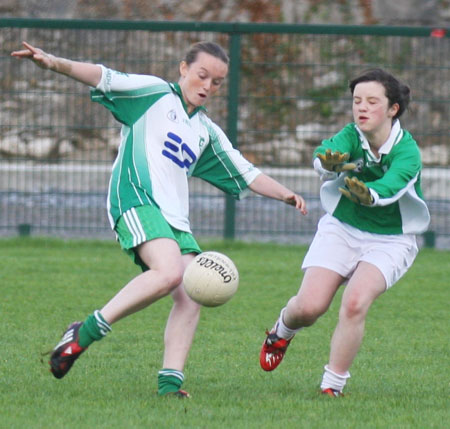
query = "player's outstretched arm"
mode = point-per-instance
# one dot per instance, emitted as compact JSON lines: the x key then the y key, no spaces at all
{"x":336,"y":161}
{"x":357,"y":191}
{"x":268,"y":187}
{"x":87,"y":73}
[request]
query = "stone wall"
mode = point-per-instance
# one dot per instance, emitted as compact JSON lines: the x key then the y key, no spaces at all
{"x":357,"y":12}
{"x":44,"y":144}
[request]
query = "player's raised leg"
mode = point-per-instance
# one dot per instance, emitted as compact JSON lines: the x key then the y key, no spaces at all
{"x":164,"y":256}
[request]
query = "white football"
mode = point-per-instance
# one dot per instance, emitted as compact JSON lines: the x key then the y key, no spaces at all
{"x":211,"y":279}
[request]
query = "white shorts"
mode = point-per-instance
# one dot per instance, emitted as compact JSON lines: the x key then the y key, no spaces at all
{"x":339,"y":247}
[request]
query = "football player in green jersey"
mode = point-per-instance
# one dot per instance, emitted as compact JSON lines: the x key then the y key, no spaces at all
{"x":374,"y":208}
{"x":166,"y":137}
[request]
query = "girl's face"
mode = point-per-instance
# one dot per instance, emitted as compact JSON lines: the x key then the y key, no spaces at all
{"x":201,"y":79}
{"x":371,"y":111}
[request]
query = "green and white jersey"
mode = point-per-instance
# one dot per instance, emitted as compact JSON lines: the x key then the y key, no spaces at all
{"x":393,"y":180}
{"x":161,"y":145}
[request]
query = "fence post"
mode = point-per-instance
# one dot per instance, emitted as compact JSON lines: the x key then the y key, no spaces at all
{"x":24,"y":229}
{"x":232,"y":120}
{"x":429,"y":239}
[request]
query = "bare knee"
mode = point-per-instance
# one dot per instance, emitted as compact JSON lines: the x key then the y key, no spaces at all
{"x":303,"y":313}
{"x":310,"y":313}
{"x":170,"y":279}
{"x":174,"y":278}
{"x":353,"y":308}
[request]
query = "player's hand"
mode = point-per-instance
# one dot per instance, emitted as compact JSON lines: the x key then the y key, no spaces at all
{"x":336,"y":161}
{"x":356,"y":191}
{"x":38,"y":56}
{"x":297,"y":201}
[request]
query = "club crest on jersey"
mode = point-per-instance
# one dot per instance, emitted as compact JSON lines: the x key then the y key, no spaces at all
{"x":178,"y":151}
{"x":172,"y":116}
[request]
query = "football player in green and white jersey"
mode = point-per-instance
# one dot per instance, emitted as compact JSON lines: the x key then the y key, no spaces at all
{"x":374,"y":207}
{"x":166,"y":137}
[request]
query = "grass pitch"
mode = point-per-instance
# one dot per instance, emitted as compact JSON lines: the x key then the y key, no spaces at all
{"x":399,"y":379}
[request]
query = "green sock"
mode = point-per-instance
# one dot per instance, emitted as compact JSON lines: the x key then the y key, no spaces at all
{"x":169,"y":380}
{"x":93,"y":329}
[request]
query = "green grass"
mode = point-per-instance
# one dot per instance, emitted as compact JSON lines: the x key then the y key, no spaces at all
{"x":399,"y":379}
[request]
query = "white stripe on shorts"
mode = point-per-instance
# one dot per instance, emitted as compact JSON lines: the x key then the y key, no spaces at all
{"x":130,"y":225}
{"x":138,"y":225}
{"x":134,"y":225}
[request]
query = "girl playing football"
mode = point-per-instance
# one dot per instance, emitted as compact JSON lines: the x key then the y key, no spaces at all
{"x":374,"y":207}
{"x":166,"y":137}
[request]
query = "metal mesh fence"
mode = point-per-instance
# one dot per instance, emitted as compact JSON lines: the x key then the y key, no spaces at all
{"x":290,"y":92}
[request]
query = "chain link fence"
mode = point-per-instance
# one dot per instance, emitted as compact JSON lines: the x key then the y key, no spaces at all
{"x":287,"y":90}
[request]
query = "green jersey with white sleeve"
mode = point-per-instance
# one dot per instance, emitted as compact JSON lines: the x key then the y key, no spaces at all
{"x":162,"y":145}
{"x":393,"y":179}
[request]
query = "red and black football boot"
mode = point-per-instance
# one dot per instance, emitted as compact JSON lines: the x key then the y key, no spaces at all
{"x":332,"y":392}
{"x":66,"y":352}
{"x":177,"y":393}
{"x":272,"y":351}
{"x":181,"y":394}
